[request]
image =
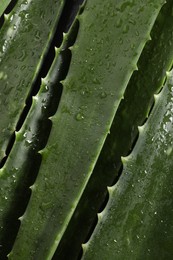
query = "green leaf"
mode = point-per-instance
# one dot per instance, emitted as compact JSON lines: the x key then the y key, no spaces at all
{"x":23,"y":162}
{"x":3,"y":5}
{"x":96,"y":82}
{"x":23,"y":46}
{"x":155,"y":60}
{"x":137,"y":222}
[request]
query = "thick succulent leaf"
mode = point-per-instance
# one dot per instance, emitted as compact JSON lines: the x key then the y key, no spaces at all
{"x":137,"y":222}
{"x":24,"y":39}
{"x":96,"y":82}
{"x":3,"y":5}
{"x":22,"y":164}
{"x":155,"y":61}
{"x":23,"y":161}
{"x":131,"y":113}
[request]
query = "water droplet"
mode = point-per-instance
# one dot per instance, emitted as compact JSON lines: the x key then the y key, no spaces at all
{"x":96,"y":81}
{"x":22,"y":56}
{"x":79,"y":116}
{"x":169,"y":151}
{"x":125,"y":29}
{"x":132,"y":21}
{"x":5,"y":45}
{"x":120,"y":40}
{"x":37,"y":35}
{"x":11,"y":18}
{"x":3,"y":75}
{"x":119,"y":23}
{"x":137,"y":33}
{"x":26,"y":16}
{"x":103,"y":95}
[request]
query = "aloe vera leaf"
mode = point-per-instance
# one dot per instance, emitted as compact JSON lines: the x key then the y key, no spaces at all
{"x":141,"y":88}
{"x":23,"y":161}
{"x":137,"y":222}
{"x":22,"y":164}
{"x":79,"y":129}
{"x":24,"y":40}
{"x":3,"y":5}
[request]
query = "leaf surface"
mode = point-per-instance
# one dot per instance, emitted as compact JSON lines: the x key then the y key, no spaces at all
{"x":137,"y":222}
{"x":24,"y":40}
{"x":96,"y":82}
{"x":155,"y":60}
{"x":22,"y":165}
{"x":3,"y":5}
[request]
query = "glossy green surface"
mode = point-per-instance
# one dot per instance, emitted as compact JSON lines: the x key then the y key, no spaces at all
{"x":24,"y":39}
{"x":92,"y":91}
{"x":3,"y":5}
{"x":137,"y":222}
{"x":23,"y":162}
{"x":155,"y":60}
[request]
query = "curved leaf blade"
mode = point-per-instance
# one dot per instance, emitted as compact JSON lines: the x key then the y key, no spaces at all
{"x":138,"y":219}
{"x":83,"y":97}
{"x":23,"y":45}
{"x":141,"y":88}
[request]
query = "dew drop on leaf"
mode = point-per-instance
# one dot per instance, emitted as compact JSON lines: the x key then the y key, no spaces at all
{"x":119,"y":23}
{"x":103,"y":95}
{"x":79,"y":116}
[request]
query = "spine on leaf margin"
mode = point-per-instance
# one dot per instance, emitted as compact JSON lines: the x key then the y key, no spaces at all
{"x":137,"y":222}
{"x":141,"y":88}
{"x":3,"y":5}
{"x":23,"y":46}
{"x":78,"y":129}
{"x":23,"y":162}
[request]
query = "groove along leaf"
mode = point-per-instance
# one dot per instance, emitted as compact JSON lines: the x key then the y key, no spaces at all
{"x":155,"y":60}
{"x":96,"y":82}
{"x":23,"y":161}
{"x":3,"y":5}
{"x":137,"y":222}
{"x":23,"y":45}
